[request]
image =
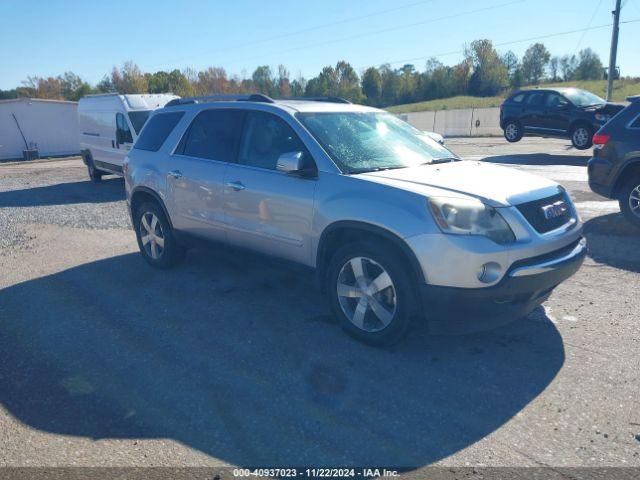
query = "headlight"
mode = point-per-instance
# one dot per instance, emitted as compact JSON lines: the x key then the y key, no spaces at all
{"x":470,"y":217}
{"x":601,"y":117}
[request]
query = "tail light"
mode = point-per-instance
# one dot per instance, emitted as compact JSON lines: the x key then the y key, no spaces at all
{"x":601,"y":138}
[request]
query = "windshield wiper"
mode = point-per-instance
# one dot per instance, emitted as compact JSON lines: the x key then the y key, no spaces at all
{"x":375,"y":169}
{"x":441,"y":160}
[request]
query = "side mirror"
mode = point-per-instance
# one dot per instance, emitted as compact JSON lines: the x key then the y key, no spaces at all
{"x":290,"y":162}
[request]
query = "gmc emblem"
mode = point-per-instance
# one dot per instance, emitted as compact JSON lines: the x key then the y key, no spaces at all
{"x":555,"y":210}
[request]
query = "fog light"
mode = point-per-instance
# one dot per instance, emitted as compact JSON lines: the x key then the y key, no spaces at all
{"x":489,"y":272}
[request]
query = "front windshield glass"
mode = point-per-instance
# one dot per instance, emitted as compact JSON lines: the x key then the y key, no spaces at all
{"x":138,"y":118}
{"x":369,"y":141}
{"x":582,"y":98}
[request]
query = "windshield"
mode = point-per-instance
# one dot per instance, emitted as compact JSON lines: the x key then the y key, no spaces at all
{"x":138,"y":118}
{"x":582,"y":98}
{"x":362,"y":142}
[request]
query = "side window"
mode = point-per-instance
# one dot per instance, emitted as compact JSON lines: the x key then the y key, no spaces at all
{"x":555,"y":101}
{"x":535,"y":99}
{"x":518,"y":98}
{"x":265,"y":138}
{"x":156,"y":130}
{"x":123,"y":133}
{"x":635,"y":123}
{"x":214,"y":134}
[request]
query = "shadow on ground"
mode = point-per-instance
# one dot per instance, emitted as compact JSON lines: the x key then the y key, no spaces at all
{"x":108,"y":190}
{"x":614,"y":241}
{"x":236,"y":357}
{"x":539,"y":159}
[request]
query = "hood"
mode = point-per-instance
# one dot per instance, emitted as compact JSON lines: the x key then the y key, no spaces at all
{"x":607,"y":108}
{"x":492,"y":184}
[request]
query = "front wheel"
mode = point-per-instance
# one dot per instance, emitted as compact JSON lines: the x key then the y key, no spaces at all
{"x":370,"y":293}
{"x":581,"y":137}
{"x":155,"y":237}
{"x":630,"y":201}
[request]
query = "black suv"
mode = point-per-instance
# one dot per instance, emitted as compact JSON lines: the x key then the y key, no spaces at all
{"x":614,"y":169}
{"x":555,"y":112}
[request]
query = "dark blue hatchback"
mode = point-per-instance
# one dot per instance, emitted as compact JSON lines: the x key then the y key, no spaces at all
{"x":555,"y":112}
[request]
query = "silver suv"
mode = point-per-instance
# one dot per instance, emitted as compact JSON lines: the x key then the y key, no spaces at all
{"x":395,"y":225}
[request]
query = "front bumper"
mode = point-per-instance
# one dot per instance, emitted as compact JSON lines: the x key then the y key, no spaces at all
{"x":526,"y":285}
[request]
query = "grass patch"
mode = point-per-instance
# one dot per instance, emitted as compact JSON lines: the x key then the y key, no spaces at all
{"x":621,"y":90}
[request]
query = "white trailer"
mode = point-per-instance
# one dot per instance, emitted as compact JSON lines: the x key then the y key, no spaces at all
{"x":31,"y":127}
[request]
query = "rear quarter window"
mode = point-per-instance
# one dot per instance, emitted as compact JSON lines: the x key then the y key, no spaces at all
{"x":635,"y":123}
{"x":157,"y":130}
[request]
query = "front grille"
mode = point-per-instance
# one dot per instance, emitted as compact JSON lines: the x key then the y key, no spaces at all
{"x":534,"y":213}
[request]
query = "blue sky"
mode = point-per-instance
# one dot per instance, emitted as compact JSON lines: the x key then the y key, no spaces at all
{"x":304,"y":35}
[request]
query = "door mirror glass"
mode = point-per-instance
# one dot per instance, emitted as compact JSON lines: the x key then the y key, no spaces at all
{"x":290,"y":162}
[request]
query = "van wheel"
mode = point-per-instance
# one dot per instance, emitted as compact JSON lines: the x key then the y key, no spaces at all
{"x":370,"y":293}
{"x":630,"y":200}
{"x":94,"y":174}
{"x":581,"y":136}
{"x":513,"y":131}
{"x":155,"y":237}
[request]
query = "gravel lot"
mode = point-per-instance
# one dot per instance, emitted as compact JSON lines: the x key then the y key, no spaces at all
{"x":233,"y":359}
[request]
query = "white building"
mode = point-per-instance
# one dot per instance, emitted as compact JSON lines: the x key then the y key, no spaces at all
{"x":48,"y":126}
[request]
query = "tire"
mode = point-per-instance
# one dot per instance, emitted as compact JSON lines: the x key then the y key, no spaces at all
{"x":94,"y":174}
{"x":155,"y":236}
{"x":581,"y":136}
{"x":386,"y":322}
{"x":629,"y":200}
{"x":513,"y":131}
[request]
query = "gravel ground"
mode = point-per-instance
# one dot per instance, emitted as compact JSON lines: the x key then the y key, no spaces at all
{"x":234,"y":360}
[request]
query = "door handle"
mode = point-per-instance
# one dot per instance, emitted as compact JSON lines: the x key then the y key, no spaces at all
{"x":237,"y":185}
{"x":175,"y":174}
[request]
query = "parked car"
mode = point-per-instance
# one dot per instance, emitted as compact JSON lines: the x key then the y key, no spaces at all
{"x":394,"y":224}
{"x":614,"y":168}
{"x":555,"y":112}
{"x":109,"y":124}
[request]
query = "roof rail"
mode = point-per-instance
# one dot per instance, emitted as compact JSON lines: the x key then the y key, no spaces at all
{"x":253,"y":97}
{"x":317,"y":99}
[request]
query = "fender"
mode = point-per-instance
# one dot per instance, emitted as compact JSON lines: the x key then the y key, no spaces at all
{"x":375,"y":230}
{"x":152,"y":193}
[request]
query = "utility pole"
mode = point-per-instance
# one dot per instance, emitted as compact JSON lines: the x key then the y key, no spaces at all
{"x":614,"y":49}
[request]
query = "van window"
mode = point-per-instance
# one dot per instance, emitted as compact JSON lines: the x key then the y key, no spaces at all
{"x":123,"y":133}
{"x":265,"y":138}
{"x":214,"y":135}
{"x":157,"y":130}
{"x":138,"y":118}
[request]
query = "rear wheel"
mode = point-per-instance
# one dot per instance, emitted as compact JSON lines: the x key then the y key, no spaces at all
{"x":630,"y":200}
{"x":581,"y":136}
{"x":370,"y":293}
{"x":94,"y":174}
{"x":155,"y":236}
{"x":513,"y":131}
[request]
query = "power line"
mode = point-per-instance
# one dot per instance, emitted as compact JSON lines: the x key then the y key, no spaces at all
{"x":593,"y":16}
{"x":511,"y":42}
{"x":384,"y":30}
{"x":307,"y":30}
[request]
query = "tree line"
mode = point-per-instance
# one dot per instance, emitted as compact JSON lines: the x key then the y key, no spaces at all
{"x":483,"y":71}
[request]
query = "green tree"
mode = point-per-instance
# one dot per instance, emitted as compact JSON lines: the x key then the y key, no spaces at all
{"x":568,"y":66}
{"x":263,"y":80}
{"x":372,"y":85}
{"x":489,"y":75}
{"x":589,"y":66}
{"x":534,"y":62}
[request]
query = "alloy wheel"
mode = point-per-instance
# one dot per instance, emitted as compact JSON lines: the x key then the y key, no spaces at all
{"x":634,"y":201}
{"x":511,"y":131}
{"x":581,"y":136}
{"x":151,"y":235}
{"x":366,"y":294}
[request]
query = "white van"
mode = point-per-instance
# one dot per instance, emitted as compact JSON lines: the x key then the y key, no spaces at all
{"x":109,"y":124}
